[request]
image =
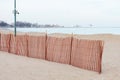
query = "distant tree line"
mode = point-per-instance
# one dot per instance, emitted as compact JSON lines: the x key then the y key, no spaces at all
{"x":4,"y":24}
{"x":27,"y":24}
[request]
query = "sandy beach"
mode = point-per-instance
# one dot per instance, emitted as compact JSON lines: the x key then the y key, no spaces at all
{"x":13,"y":67}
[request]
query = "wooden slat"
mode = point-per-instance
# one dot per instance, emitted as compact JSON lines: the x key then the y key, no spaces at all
{"x":58,"y":49}
{"x":36,"y":46}
{"x":87,"y":54}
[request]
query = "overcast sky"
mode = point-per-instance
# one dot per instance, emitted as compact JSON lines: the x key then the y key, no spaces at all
{"x":64,"y":12}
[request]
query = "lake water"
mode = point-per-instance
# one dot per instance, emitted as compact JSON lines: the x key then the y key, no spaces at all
{"x":72,"y":30}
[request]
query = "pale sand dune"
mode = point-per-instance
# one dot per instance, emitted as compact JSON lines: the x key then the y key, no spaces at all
{"x":13,"y":67}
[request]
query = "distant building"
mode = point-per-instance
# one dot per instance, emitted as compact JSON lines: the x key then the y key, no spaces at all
{"x":77,"y":26}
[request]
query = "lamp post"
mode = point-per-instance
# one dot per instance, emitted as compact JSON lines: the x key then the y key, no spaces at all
{"x":15,"y":17}
{"x":15,"y":12}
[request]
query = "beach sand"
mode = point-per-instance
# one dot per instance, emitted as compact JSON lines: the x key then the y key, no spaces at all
{"x":13,"y":67}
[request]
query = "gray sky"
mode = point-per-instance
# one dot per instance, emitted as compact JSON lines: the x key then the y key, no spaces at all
{"x":64,"y":12}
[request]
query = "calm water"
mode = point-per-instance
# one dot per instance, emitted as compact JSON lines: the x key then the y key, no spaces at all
{"x":72,"y":30}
